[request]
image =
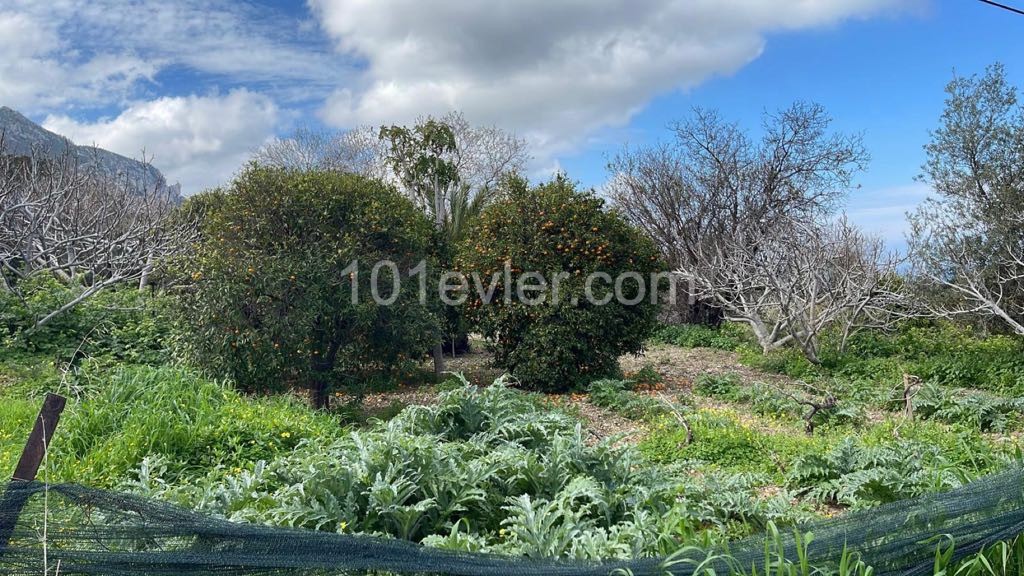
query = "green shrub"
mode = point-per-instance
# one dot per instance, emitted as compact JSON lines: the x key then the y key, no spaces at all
{"x":766,"y":400}
{"x":725,"y":443}
{"x":646,"y":377}
{"x":858,"y":473}
{"x":788,"y":361}
{"x":941,"y":353}
{"x":964,"y":447}
{"x":482,"y":470}
{"x":740,"y":503}
{"x":120,"y":323}
{"x":722,"y":440}
{"x":724,"y":386}
{"x":562,"y":342}
{"x":275,"y":302}
{"x":619,"y":397}
{"x":728,"y":336}
{"x":976,"y":410}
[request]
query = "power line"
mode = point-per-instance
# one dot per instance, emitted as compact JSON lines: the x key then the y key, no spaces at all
{"x":1003,"y":6}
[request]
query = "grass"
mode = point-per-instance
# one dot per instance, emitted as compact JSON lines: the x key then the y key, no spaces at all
{"x":727,"y":439}
{"x":131,"y":412}
{"x":742,"y":462}
{"x":16,"y":418}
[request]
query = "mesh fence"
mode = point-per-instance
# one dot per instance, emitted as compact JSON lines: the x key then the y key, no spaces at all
{"x":87,"y":531}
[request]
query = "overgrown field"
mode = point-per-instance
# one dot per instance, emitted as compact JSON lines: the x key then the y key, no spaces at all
{"x":707,"y":459}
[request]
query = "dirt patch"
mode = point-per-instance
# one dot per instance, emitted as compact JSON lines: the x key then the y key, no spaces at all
{"x":475,"y":365}
{"x":602,"y":424}
{"x":381,"y":402}
{"x":680,"y":367}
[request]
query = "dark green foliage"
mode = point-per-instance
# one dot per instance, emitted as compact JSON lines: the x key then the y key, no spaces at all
{"x":272,"y":302}
{"x":121,"y":323}
{"x":647,"y":377}
{"x":940,"y":353}
{"x":619,"y":397}
{"x":977,"y":410}
{"x":724,"y":386}
{"x":729,"y":336}
{"x":862,"y":473}
{"x":551,"y":229}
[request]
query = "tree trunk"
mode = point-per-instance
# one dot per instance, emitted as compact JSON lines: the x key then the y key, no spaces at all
{"x":322,"y":371}
{"x":146,"y":270}
{"x":321,"y":399}
{"x":439,"y":223}
{"x":86,"y":294}
{"x":438,"y":359}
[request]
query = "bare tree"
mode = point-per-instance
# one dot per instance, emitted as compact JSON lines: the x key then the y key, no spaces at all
{"x":714,"y":180}
{"x":482,"y":155}
{"x":793,"y":281}
{"x":970,"y":239}
{"x":88,"y":228}
{"x":359,"y":151}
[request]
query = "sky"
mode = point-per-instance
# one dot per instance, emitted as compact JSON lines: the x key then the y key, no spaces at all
{"x":196,"y":85}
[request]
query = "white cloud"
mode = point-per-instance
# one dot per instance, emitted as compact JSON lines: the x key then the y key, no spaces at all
{"x":197,"y":140}
{"x":553,"y":71}
{"x":38,"y":70}
{"x":96,"y":53}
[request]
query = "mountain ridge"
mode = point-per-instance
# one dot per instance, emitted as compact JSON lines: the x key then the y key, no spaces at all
{"x":22,"y":137}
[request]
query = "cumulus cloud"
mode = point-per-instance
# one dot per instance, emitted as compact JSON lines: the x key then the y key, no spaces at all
{"x":553,"y":71}
{"x":37,"y":69}
{"x":197,"y":140}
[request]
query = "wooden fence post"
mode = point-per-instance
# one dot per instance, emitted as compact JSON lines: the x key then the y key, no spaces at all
{"x":13,"y":501}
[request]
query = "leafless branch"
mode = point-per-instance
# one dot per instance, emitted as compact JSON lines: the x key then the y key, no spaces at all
{"x":86,"y":227}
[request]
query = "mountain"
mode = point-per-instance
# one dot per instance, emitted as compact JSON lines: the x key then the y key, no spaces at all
{"x":21,"y":136}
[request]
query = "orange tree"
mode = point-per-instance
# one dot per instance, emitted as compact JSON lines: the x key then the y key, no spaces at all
{"x":282,"y":280}
{"x":554,"y":339}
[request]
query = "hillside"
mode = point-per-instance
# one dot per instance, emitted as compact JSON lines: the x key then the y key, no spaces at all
{"x":21,"y":136}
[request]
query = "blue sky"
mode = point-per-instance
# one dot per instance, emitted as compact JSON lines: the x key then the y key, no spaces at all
{"x":199,"y":84}
{"x":883,"y":77}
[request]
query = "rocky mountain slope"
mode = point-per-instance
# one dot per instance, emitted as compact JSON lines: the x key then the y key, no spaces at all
{"x":21,"y":136}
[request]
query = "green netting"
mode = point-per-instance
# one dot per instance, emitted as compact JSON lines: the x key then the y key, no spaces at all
{"x":91,"y":531}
